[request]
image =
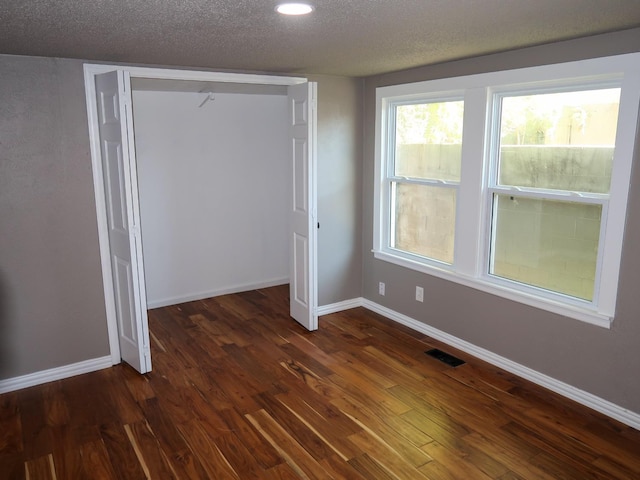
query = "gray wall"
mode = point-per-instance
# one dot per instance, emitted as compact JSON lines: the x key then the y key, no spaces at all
{"x":339,"y":188}
{"x":51,"y":297}
{"x":51,"y":300}
{"x":603,"y":362}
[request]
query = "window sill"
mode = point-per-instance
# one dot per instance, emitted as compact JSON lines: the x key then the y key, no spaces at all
{"x":586,"y":315}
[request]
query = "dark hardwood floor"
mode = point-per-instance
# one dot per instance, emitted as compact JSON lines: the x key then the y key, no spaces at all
{"x":240,"y":391}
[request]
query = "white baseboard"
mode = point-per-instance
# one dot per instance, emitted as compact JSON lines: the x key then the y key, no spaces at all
{"x":340,"y":306}
{"x":190,"y":297}
{"x":587,"y":399}
{"x":58,"y":373}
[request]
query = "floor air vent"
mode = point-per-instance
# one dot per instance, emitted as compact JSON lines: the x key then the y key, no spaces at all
{"x":445,"y":357}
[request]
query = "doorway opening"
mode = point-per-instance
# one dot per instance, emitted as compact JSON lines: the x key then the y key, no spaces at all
{"x":112,"y":133}
{"x":214,"y":187}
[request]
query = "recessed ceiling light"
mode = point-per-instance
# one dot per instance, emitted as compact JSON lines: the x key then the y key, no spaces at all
{"x":294,"y":8}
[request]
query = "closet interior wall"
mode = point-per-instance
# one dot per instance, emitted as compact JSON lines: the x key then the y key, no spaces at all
{"x":214,"y":184}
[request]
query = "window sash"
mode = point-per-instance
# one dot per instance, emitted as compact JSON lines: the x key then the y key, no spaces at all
{"x":559,"y":86}
{"x":539,"y":289}
{"x":393,"y":213}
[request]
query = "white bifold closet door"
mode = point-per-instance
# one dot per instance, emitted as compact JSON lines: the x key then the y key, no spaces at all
{"x":303,"y":296}
{"x":115,"y":124}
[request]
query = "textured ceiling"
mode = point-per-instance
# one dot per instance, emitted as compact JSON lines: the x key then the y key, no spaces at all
{"x":342,"y":37}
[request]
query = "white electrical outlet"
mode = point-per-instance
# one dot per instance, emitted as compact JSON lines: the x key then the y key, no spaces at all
{"x":420,"y":294}
{"x":381,"y":288}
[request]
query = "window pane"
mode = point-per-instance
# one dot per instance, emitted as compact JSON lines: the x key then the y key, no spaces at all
{"x":561,"y":141}
{"x":429,"y":140}
{"x":424,"y":221}
{"x":547,"y":243}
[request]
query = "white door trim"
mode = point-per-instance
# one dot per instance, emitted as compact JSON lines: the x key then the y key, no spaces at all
{"x":90,"y":71}
{"x":195,"y":75}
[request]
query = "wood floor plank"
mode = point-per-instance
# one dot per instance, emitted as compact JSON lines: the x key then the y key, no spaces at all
{"x":205,"y":411}
{"x":350,"y":364}
{"x":146,"y":447}
{"x":11,"y":434}
{"x":67,"y":454}
{"x":87,"y":400}
{"x":280,"y":472}
{"x":37,"y":436}
{"x":170,"y":399}
{"x":514,"y":456}
{"x":565,"y":448}
{"x":485,"y":463}
{"x":208,"y":452}
{"x":122,"y":455}
{"x":589,"y":444}
{"x":302,"y":358}
{"x":138,"y":385}
{"x":386,"y":455}
{"x":389,"y":367}
{"x":423,"y":412}
{"x":13,"y":467}
{"x":308,"y":345}
{"x":436,"y":471}
{"x":238,"y":456}
{"x":55,"y":405}
{"x":511,"y":476}
{"x":370,"y":469}
{"x":360,"y":389}
{"x":296,"y":456}
{"x":182,"y":459}
{"x":262,"y":377}
{"x":457,"y":465}
{"x":9,"y":405}
{"x":470,"y":407}
{"x":319,"y":411}
{"x":241,"y":391}
{"x":238,"y":306}
{"x":377,"y":427}
{"x":96,"y":462}
{"x":350,"y":326}
{"x":262,"y":451}
{"x":205,"y":380}
{"x":270,"y":332}
{"x":338,"y":468}
{"x":617,"y":470}
{"x":39,"y":469}
{"x":330,"y":431}
{"x":127,"y":409}
{"x":295,"y":427}
{"x":204,"y":339}
{"x":552,"y":463}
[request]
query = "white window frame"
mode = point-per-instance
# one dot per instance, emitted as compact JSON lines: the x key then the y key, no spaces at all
{"x":473,"y":203}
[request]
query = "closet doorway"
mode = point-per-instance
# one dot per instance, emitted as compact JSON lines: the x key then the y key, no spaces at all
{"x":112,"y":134}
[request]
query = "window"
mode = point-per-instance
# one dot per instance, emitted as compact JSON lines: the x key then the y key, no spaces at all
{"x":512,"y":182}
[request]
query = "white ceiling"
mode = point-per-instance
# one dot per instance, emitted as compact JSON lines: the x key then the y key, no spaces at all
{"x":342,"y":37}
